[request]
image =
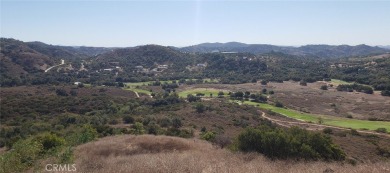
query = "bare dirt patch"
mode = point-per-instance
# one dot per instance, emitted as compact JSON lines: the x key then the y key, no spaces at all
{"x":312,"y":99}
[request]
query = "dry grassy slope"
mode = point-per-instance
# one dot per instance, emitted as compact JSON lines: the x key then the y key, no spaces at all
{"x":150,"y":154}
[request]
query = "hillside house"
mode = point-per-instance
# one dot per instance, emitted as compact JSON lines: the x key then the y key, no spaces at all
{"x":201,"y":65}
{"x":162,"y":66}
{"x":342,"y":65}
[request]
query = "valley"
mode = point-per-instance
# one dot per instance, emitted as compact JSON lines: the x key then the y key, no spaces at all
{"x":160,"y":103}
{"x":194,"y":86}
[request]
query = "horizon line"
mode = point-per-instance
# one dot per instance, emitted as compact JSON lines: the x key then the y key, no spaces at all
{"x":280,"y":45}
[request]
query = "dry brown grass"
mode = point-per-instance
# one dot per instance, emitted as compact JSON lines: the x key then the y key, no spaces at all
{"x":150,"y":154}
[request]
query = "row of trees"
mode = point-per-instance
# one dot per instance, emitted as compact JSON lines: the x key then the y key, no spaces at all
{"x":255,"y":97}
{"x":356,"y":87}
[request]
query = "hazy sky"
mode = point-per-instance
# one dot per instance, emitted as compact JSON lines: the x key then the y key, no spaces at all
{"x":183,"y":23}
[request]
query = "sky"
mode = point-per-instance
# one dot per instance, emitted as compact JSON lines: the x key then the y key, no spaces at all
{"x":124,"y":23}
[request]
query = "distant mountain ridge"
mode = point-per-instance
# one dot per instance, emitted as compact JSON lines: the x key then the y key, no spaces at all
{"x":385,"y":47}
{"x":67,"y":52}
{"x":323,"y":51}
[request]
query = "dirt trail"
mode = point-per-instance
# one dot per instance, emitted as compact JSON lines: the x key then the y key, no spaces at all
{"x":62,"y":63}
{"x":311,"y":126}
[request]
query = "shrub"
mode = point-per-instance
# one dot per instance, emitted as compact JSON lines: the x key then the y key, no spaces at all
{"x":138,"y":128}
{"x":354,"y":132}
{"x":222,"y":141}
{"x":24,"y":154}
{"x":200,"y":108}
{"x":61,"y":92}
{"x":50,"y":141}
{"x":373,"y":119}
{"x":181,"y":133}
{"x":382,"y":151}
{"x":59,"y":127}
{"x":381,"y":130}
{"x":128,"y":119}
{"x":294,"y":142}
{"x":199,"y":94}
{"x":2,"y":143}
{"x":324,"y":87}
{"x":320,"y":120}
{"x":87,"y":133}
{"x":351,"y":161}
{"x":385,"y":93}
{"x":66,"y":156}
{"x":357,"y":87}
{"x":250,"y":140}
{"x":176,"y":122}
{"x":192,"y":98}
{"x":278,"y":104}
{"x":153,"y":129}
{"x":73,"y":93}
{"x":113,"y":122}
{"x":165,"y":122}
{"x":184,"y":133}
{"x":327,"y":130}
{"x":208,"y":136}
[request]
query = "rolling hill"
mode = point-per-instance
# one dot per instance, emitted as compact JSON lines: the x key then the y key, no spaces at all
{"x":67,"y":52}
{"x":322,"y":51}
{"x":26,"y":61}
{"x":148,"y":56}
{"x":28,"y":57}
{"x":18,"y":58}
{"x":19,"y":61}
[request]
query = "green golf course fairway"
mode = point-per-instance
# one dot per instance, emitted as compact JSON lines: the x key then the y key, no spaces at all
{"x":339,"y":82}
{"x":314,"y":118}
{"x":327,"y":120}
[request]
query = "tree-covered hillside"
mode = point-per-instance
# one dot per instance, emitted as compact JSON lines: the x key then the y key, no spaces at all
{"x":24,"y":63}
{"x":321,"y":51}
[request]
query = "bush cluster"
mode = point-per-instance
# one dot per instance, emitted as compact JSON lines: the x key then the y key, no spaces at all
{"x":356,"y":87}
{"x":292,"y":143}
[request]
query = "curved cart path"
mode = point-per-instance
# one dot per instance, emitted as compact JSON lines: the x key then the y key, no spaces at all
{"x":312,"y":126}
